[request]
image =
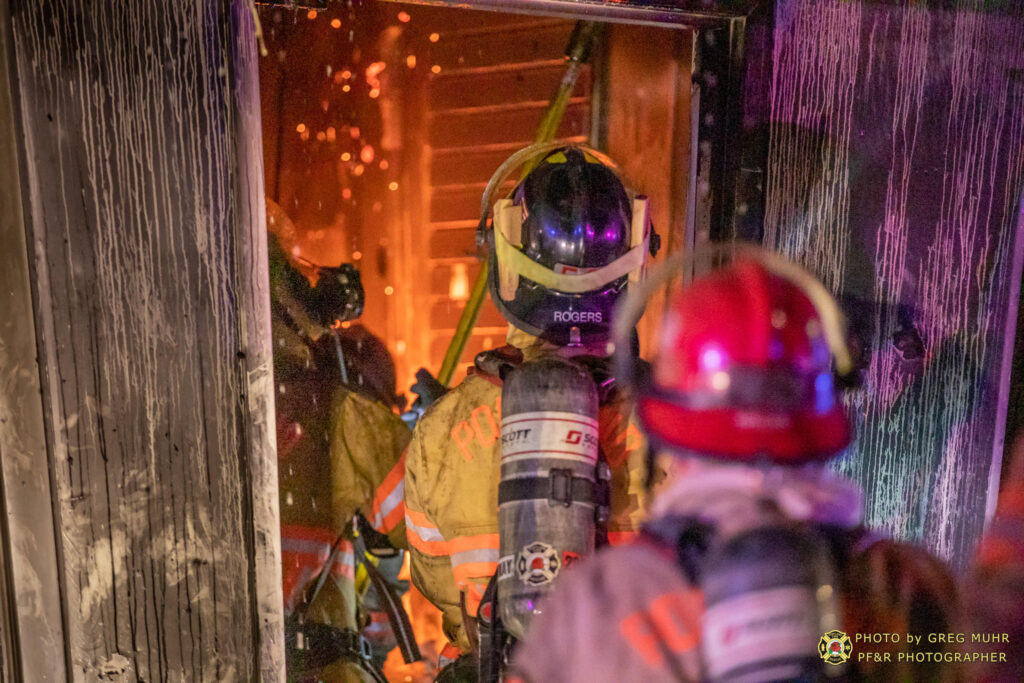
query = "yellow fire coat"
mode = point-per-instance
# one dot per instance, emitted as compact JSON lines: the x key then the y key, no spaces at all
{"x":335,"y":448}
{"x":452,"y":468}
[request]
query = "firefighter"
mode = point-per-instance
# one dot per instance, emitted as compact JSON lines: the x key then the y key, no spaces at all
{"x":564,"y":247}
{"x":338,"y":437}
{"x":993,"y":603}
{"x":753,"y":565}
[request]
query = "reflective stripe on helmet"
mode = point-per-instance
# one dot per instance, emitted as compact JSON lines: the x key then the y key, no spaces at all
{"x":512,"y":261}
{"x":510,"y":258}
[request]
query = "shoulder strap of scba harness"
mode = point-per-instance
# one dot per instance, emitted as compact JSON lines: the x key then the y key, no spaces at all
{"x":505,"y":238}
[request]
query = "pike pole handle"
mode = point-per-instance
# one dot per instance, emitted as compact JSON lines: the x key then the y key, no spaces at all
{"x":583,"y":39}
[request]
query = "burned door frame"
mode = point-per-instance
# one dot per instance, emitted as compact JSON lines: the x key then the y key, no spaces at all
{"x":32,"y":592}
{"x":196,"y":204}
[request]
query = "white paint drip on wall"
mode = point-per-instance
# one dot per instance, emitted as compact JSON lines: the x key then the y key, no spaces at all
{"x":896,"y":169}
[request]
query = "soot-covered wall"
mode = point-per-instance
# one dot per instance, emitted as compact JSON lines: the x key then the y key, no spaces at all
{"x":140,"y":153}
{"x":895,"y":173}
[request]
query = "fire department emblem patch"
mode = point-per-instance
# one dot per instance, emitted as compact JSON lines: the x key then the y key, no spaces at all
{"x":537,"y":564}
{"x":835,"y":647}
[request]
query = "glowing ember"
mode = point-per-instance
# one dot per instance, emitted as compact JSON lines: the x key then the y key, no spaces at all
{"x":311,"y":14}
{"x":346,"y":156}
{"x":366,"y":154}
{"x":373,"y":78}
{"x":356,"y":255}
{"x":436,"y":68}
{"x":434,"y":37}
{"x":389,"y":290}
{"x":346,"y":88}
{"x":335,"y":23}
{"x":392,"y":186}
{"x":410,"y":61}
{"x":358,"y":170}
{"x":383,"y":164}
{"x":301,"y":128}
{"x":404,"y":17}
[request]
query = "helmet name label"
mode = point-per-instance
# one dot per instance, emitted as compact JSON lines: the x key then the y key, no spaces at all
{"x":578,"y":316}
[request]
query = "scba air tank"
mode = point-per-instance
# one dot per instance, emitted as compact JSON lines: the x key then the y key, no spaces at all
{"x":770,"y":601}
{"x":549,"y":490}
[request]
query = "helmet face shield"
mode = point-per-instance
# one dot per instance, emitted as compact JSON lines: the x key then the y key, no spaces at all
{"x":742,"y":366}
{"x":565,"y":247}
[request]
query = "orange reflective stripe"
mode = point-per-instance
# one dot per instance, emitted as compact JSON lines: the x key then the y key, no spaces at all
{"x":473,"y":570}
{"x":423,"y":535}
{"x":435,"y":548}
{"x":389,"y":501}
{"x":474,"y":596}
{"x":419,"y":519}
{"x":427,"y":538}
{"x":391,"y":520}
{"x":394,"y":478}
{"x":479,"y":542}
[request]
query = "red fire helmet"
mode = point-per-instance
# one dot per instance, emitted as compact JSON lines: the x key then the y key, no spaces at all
{"x":744,"y":369}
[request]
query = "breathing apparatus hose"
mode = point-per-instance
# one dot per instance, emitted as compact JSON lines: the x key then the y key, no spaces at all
{"x":582,"y":41}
